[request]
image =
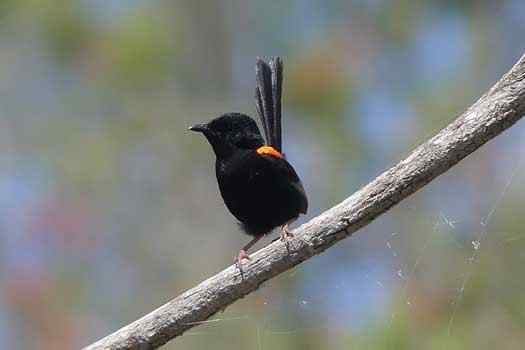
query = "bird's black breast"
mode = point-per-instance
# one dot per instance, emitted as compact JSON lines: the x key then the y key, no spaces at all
{"x":261,"y":191}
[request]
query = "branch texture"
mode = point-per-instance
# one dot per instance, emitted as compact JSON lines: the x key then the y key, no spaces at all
{"x":497,"y":110}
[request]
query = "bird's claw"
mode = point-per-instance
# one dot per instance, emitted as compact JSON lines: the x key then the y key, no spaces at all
{"x":243,"y":255}
{"x":286,"y":233}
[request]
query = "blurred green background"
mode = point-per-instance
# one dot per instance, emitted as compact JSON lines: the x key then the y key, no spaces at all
{"x":109,"y":206}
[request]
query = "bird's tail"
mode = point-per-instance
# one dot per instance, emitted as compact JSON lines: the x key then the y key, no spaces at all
{"x":268,"y":91}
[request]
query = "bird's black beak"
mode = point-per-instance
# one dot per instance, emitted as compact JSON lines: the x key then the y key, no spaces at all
{"x":199,"y":127}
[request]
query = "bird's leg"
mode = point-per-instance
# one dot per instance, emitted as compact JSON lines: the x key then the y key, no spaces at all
{"x":243,"y":253}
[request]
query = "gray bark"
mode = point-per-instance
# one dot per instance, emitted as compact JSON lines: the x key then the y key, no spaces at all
{"x":497,"y":110}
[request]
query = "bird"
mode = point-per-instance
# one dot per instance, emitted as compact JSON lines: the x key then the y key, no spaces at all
{"x":258,"y":185}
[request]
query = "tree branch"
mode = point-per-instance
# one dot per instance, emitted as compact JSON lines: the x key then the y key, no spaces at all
{"x":497,"y":110}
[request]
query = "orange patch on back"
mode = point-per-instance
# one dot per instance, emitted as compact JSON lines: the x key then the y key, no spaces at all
{"x":269,"y":151}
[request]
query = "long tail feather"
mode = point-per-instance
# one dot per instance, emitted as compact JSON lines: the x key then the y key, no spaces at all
{"x":264,"y":99}
{"x":260,"y":110}
{"x":276,"y":67}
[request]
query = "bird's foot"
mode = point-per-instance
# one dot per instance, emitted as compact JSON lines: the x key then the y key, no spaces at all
{"x":286,"y":233}
{"x":243,"y":255}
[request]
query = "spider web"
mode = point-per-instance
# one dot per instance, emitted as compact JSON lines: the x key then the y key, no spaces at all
{"x":310,"y":306}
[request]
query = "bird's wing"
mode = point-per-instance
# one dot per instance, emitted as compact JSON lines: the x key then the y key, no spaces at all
{"x":268,"y":90}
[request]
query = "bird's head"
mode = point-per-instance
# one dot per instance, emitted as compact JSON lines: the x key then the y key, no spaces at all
{"x":229,"y":132}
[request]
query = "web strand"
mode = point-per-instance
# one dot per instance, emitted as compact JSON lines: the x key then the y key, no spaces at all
{"x":476,"y":246}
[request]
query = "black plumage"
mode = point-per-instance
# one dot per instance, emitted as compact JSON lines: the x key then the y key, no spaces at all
{"x":258,"y":185}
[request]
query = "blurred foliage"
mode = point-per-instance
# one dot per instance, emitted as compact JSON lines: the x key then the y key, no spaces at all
{"x":141,"y":50}
{"x":109,"y":204}
{"x":64,"y":27}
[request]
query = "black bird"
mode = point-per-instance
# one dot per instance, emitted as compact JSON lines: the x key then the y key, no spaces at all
{"x":258,"y":185}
